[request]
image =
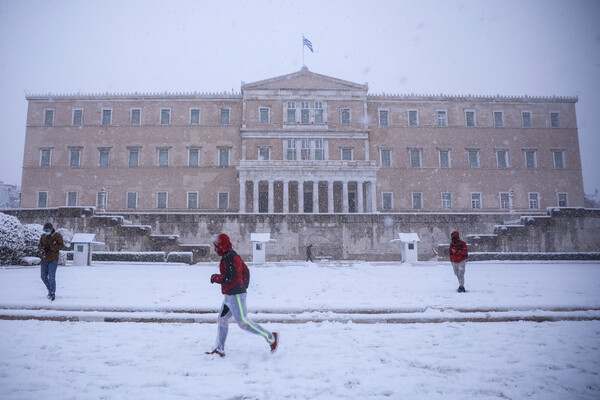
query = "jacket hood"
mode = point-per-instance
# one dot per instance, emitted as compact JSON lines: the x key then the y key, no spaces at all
{"x":223,"y":244}
{"x":457,"y":235}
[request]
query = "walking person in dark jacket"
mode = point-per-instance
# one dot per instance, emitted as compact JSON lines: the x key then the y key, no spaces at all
{"x":458,"y":257}
{"x":50,"y":244}
{"x":234,"y":278}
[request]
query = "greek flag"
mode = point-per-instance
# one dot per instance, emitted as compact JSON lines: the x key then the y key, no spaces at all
{"x":307,"y":43}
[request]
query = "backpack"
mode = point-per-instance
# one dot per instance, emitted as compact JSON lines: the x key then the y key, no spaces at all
{"x":245,"y":275}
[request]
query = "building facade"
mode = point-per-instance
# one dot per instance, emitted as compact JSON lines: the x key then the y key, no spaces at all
{"x":301,"y":143}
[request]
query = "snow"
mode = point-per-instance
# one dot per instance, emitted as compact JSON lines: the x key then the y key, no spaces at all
{"x":349,"y":330}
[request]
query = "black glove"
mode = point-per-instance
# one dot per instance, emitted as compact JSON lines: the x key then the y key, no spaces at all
{"x":213,"y":278}
{"x":47,"y":249}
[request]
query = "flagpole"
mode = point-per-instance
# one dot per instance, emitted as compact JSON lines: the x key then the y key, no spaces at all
{"x":303,"y":49}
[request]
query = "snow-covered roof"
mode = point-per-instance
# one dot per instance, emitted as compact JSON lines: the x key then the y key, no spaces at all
{"x":85,"y":238}
{"x":260,"y":237}
{"x":411,"y":237}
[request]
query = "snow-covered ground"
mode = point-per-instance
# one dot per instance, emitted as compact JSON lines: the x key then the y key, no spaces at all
{"x":327,"y":359}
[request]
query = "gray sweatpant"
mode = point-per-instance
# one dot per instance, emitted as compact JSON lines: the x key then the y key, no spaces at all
{"x":234,"y":306}
{"x":459,"y":271}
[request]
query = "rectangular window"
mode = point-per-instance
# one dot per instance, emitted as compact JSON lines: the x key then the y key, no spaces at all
{"x":291,"y":112}
{"x":534,"y":201}
{"x":264,"y":115}
{"x":107,"y":116}
{"x":45,"y":157}
{"x":136,"y":116}
{"x":413,"y":118}
{"x":224,"y":116}
{"x":318,"y":112}
{"x":192,"y":200}
{"x":193,"y":157}
{"x":345,"y":116}
{"x":304,"y":112}
{"x":470,"y":117}
{"x":444,"y":158}
{"x":223,"y":201}
{"x":163,"y":157}
{"x":446,"y":200}
{"x":504,"y":200}
{"x":498,"y":119}
{"x":132,"y":200}
{"x":387,"y":201}
{"x":502,"y":158}
{"x":442,"y":118}
{"x":223,"y":157}
{"x":165,"y":116}
{"x":415,"y":158}
{"x":319,"y":151}
{"x":530,"y":159}
{"x":71,"y":199}
{"x":386,"y":158}
{"x":347,"y":154}
{"x":554,"y":122}
{"x":48,"y":117}
{"x":476,"y":201}
{"x":103,"y":157}
{"x":194,"y":116}
{"x":264,"y":153}
{"x":417,"y":201}
{"x":305,"y":149}
{"x":383,"y":117}
{"x":526,"y":119}
{"x":134,"y":158}
{"x":562,"y":200}
{"x":77,"y":117}
{"x":74,"y":157}
{"x":473,"y":158}
{"x":42,"y":200}
{"x":162,"y":200}
{"x":291,"y":150}
{"x":559,"y":158}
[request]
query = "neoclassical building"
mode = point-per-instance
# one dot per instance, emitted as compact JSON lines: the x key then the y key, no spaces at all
{"x":301,"y":143}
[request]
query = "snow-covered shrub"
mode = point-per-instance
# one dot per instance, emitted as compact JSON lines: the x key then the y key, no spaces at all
{"x":180,"y":257}
{"x":12,"y":242}
{"x":31,"y":235}
{"x":30,"y":261}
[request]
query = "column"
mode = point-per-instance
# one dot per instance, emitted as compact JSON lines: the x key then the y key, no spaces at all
{"x":359,"y":195}
{"x":301,"y":197}
{"x":344,"y":196}
{"x":271,"y":197}
{"x":255,"y":197}
{"x":315,"y":197}
{"x":330,"y":197}
{"x":242,"y":196}
{"x":286,"y":197}
{"x":373,"y":196}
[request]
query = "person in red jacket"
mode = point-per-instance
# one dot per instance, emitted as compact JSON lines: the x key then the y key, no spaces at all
{"x":458,"y":258}
{"x":234,"y":278}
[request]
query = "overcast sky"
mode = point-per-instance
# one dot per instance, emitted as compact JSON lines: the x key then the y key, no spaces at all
{"x":536,"y":47}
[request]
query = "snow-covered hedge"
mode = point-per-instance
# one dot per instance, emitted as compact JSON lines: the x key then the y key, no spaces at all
{"x":32,"y":234}
{"x":132,"y":256}
{"x":528,"y":256}
{"x":180,"y":257}
{"x":12,"y":240}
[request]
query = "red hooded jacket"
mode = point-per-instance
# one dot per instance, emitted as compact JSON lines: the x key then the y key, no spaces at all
{"x":234,"y":275}
{"x":458,"y":249}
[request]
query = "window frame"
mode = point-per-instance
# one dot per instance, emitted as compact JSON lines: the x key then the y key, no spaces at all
{"x":260,"y":114}
{"x":502,"y":122}
{"x":79,"y":151}
{"x":46,"y":200}
{"x":537,"y":200}
{"x":562,"y":158}
{"x":414,"y":195}
{"x":529,"y":113}
{"x":447,"y":201}
{"x":219,"y":197}
{"x":477,"y":159}
{"x":500,"y":194}
{"x":319,"y":112}
{"x":552,"y":124}
{"x":419,"y":152}
{"x":390,"y":196}
{"x":290,"y":112}
{"x":194,"y":110}
{"x":416,"y":111}
{"x":443,"y":122}
{"x":161,"y":116}
{"x":440,"y":151}
{"x":220,"y":159}
{"x":131,"y":119}
{"x":51,"y":112}
{"x":534,"y":152}
{"x":291,"y":150}
{"x":69,"y":193}
{"x":387,"y":164}
{"x":130,"y":151}
{"x":222,"y":112}
{"x":505,"y":151}
{"x":346,"y":149}
{"x":127,"y":197}
{"x":105,"y":110}
{"x":188,"y":200}
{"x":158,"y":207}
{"x":159,"y":152}
{"x":49,"y":150}
{"x":345,"y":111}
{"x":566,"y":195}
{"x":386,"y":112}
{"x":319,"y":154}
{"x":103,"y":150}
{"x":261,"y":150}
{"x":467,"y":111}
{"x":476,"y":201}
{"x":197,"y":150}
{"x":80,"y":110}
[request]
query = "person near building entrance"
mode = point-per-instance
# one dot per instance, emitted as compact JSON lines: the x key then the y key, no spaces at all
{"x":234,"y":278}
{"x":309,"y":256}
{"x":458,"y":258}
{"x":50,"y":245}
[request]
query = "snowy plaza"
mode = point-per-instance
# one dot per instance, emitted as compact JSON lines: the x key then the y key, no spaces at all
{"x":349,"y":330}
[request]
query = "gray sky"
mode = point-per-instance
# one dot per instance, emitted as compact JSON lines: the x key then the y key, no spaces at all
{"x":509,"y":47}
